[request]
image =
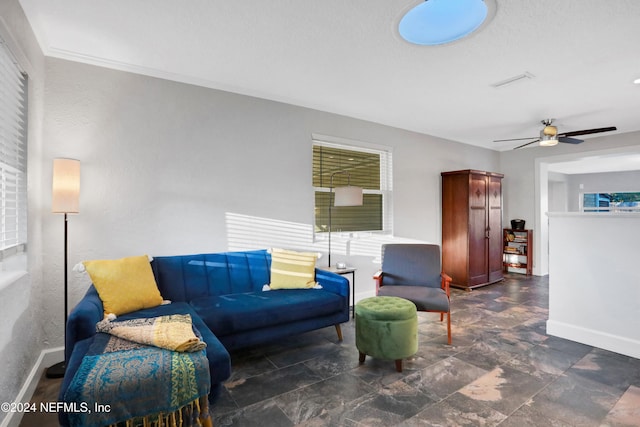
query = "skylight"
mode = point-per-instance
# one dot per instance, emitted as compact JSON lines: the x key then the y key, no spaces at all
{"x":435,"y":22}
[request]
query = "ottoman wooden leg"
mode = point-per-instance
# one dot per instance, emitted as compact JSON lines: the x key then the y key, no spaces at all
{"x":362,"y":356}
{"x":399,"y":365}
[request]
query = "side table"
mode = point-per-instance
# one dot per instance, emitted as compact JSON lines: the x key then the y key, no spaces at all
{"x":342,"y":272}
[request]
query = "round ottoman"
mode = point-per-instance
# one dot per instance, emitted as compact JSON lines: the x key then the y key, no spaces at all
{"x":386,"y":328}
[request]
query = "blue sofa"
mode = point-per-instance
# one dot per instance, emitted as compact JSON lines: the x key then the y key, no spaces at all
{"x":223,"y":293}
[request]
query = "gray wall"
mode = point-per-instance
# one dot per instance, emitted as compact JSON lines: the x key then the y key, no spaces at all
{"x":169,"y":168}
{"x":600,"y":183}
{"x":558,"y":197}
{"x":565,"y":190}
{"x":21,"y":303}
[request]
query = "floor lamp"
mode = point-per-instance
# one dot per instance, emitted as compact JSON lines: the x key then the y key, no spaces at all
{"x":343,"y":196}
{"x":65,"y":199}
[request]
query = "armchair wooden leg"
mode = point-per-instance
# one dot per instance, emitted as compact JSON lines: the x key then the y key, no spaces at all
{"x":339,"y":331}
{"x":449,"y":327}
{"x":362,"y":357}
{"x":399,"y":365}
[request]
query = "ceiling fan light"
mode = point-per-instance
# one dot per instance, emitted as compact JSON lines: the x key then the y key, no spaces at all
{"x":548,"y":140}
{"x":435,"y":22}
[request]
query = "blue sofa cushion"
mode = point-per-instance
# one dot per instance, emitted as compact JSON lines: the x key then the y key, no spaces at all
{"x":188,"y":277}
{"x":233,"y":313}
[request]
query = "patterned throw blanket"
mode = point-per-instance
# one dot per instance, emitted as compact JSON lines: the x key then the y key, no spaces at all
{"x":173,"y":332}
{"x":126,"y":383}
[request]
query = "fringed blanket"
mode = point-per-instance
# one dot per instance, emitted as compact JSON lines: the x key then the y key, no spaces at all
{"x":173,"y":332}
{"x":130,"y":384}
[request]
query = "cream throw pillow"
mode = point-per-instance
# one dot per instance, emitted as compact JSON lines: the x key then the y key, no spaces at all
{"x":124,"y":285}
{"x":292,"y":270}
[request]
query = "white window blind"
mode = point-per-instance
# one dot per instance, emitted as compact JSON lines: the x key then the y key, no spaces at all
{"x":13,"y":154}
{"x":367,"y":168}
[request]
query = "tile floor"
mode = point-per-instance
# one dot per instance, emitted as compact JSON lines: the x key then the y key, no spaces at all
{"x":502,"y":369}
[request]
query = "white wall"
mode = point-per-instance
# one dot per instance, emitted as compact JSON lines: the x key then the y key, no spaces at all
{"x":169,"y":168}
{"x":594,"y":289}
{"x":20,"y":292}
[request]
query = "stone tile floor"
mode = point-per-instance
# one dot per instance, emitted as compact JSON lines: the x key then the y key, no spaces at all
{"x":502,"y":369}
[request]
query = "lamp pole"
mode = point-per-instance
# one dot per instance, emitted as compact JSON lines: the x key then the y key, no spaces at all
{"x":65,"y":199}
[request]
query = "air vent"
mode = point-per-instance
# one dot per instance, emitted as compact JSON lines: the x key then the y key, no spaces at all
{"x":520,"y":77}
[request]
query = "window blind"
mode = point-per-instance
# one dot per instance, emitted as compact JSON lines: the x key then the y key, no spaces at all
{"x":13,"y":154}
{"x":367,"y":168}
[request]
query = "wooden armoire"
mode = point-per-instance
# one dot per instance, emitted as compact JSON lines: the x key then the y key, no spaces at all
{"x":472,"y":227}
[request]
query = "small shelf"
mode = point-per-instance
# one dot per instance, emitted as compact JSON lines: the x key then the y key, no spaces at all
{"x":517,"y":253}
{"x":515,"y":264}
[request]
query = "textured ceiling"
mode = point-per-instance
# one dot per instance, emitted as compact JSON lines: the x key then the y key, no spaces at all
{"x":346,"y":57}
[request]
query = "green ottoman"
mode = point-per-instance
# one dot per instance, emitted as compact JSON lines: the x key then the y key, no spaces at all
{"x":386,"y":328}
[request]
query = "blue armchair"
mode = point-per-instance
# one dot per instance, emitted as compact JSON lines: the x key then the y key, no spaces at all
{"x":414,"y":272}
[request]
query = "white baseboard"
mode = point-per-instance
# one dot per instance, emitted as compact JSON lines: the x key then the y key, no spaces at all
{"x":47,"y":358}
{"x":594,"y":338}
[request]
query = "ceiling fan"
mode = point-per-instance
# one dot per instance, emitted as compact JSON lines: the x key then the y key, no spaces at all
{"x":549,"y":135}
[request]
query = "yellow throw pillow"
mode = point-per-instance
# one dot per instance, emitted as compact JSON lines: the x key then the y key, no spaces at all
{"x":292,"y":270}
{"x":125,"y":284}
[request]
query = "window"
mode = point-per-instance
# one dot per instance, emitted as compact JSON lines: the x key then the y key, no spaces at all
{"x":367,"y":168}
{"x":611,"y":202}
{"x":13,"y":155}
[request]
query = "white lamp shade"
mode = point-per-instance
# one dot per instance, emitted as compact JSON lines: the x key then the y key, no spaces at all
{"x":348,"y":196}
{"x":66,"y":186}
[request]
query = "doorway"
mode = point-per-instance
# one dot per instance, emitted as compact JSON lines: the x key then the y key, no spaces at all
{"x":546,"y":192}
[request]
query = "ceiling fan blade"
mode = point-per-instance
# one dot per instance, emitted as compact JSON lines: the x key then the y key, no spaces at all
{"x":513,"y":139}
{"x":569,"y":140}
{"x":528,"y":143}
{"x":587,"y":131}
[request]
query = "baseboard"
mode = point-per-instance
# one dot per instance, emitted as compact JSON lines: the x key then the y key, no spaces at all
{"x":47,"y":358}
{"x":617,"y":344}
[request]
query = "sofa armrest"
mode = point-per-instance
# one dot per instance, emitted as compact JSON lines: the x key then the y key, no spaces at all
{"x":81,"y":323}
{"x":333,"y":282}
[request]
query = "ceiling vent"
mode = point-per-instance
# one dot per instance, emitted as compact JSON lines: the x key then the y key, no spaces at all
{"x":520,"y":77}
